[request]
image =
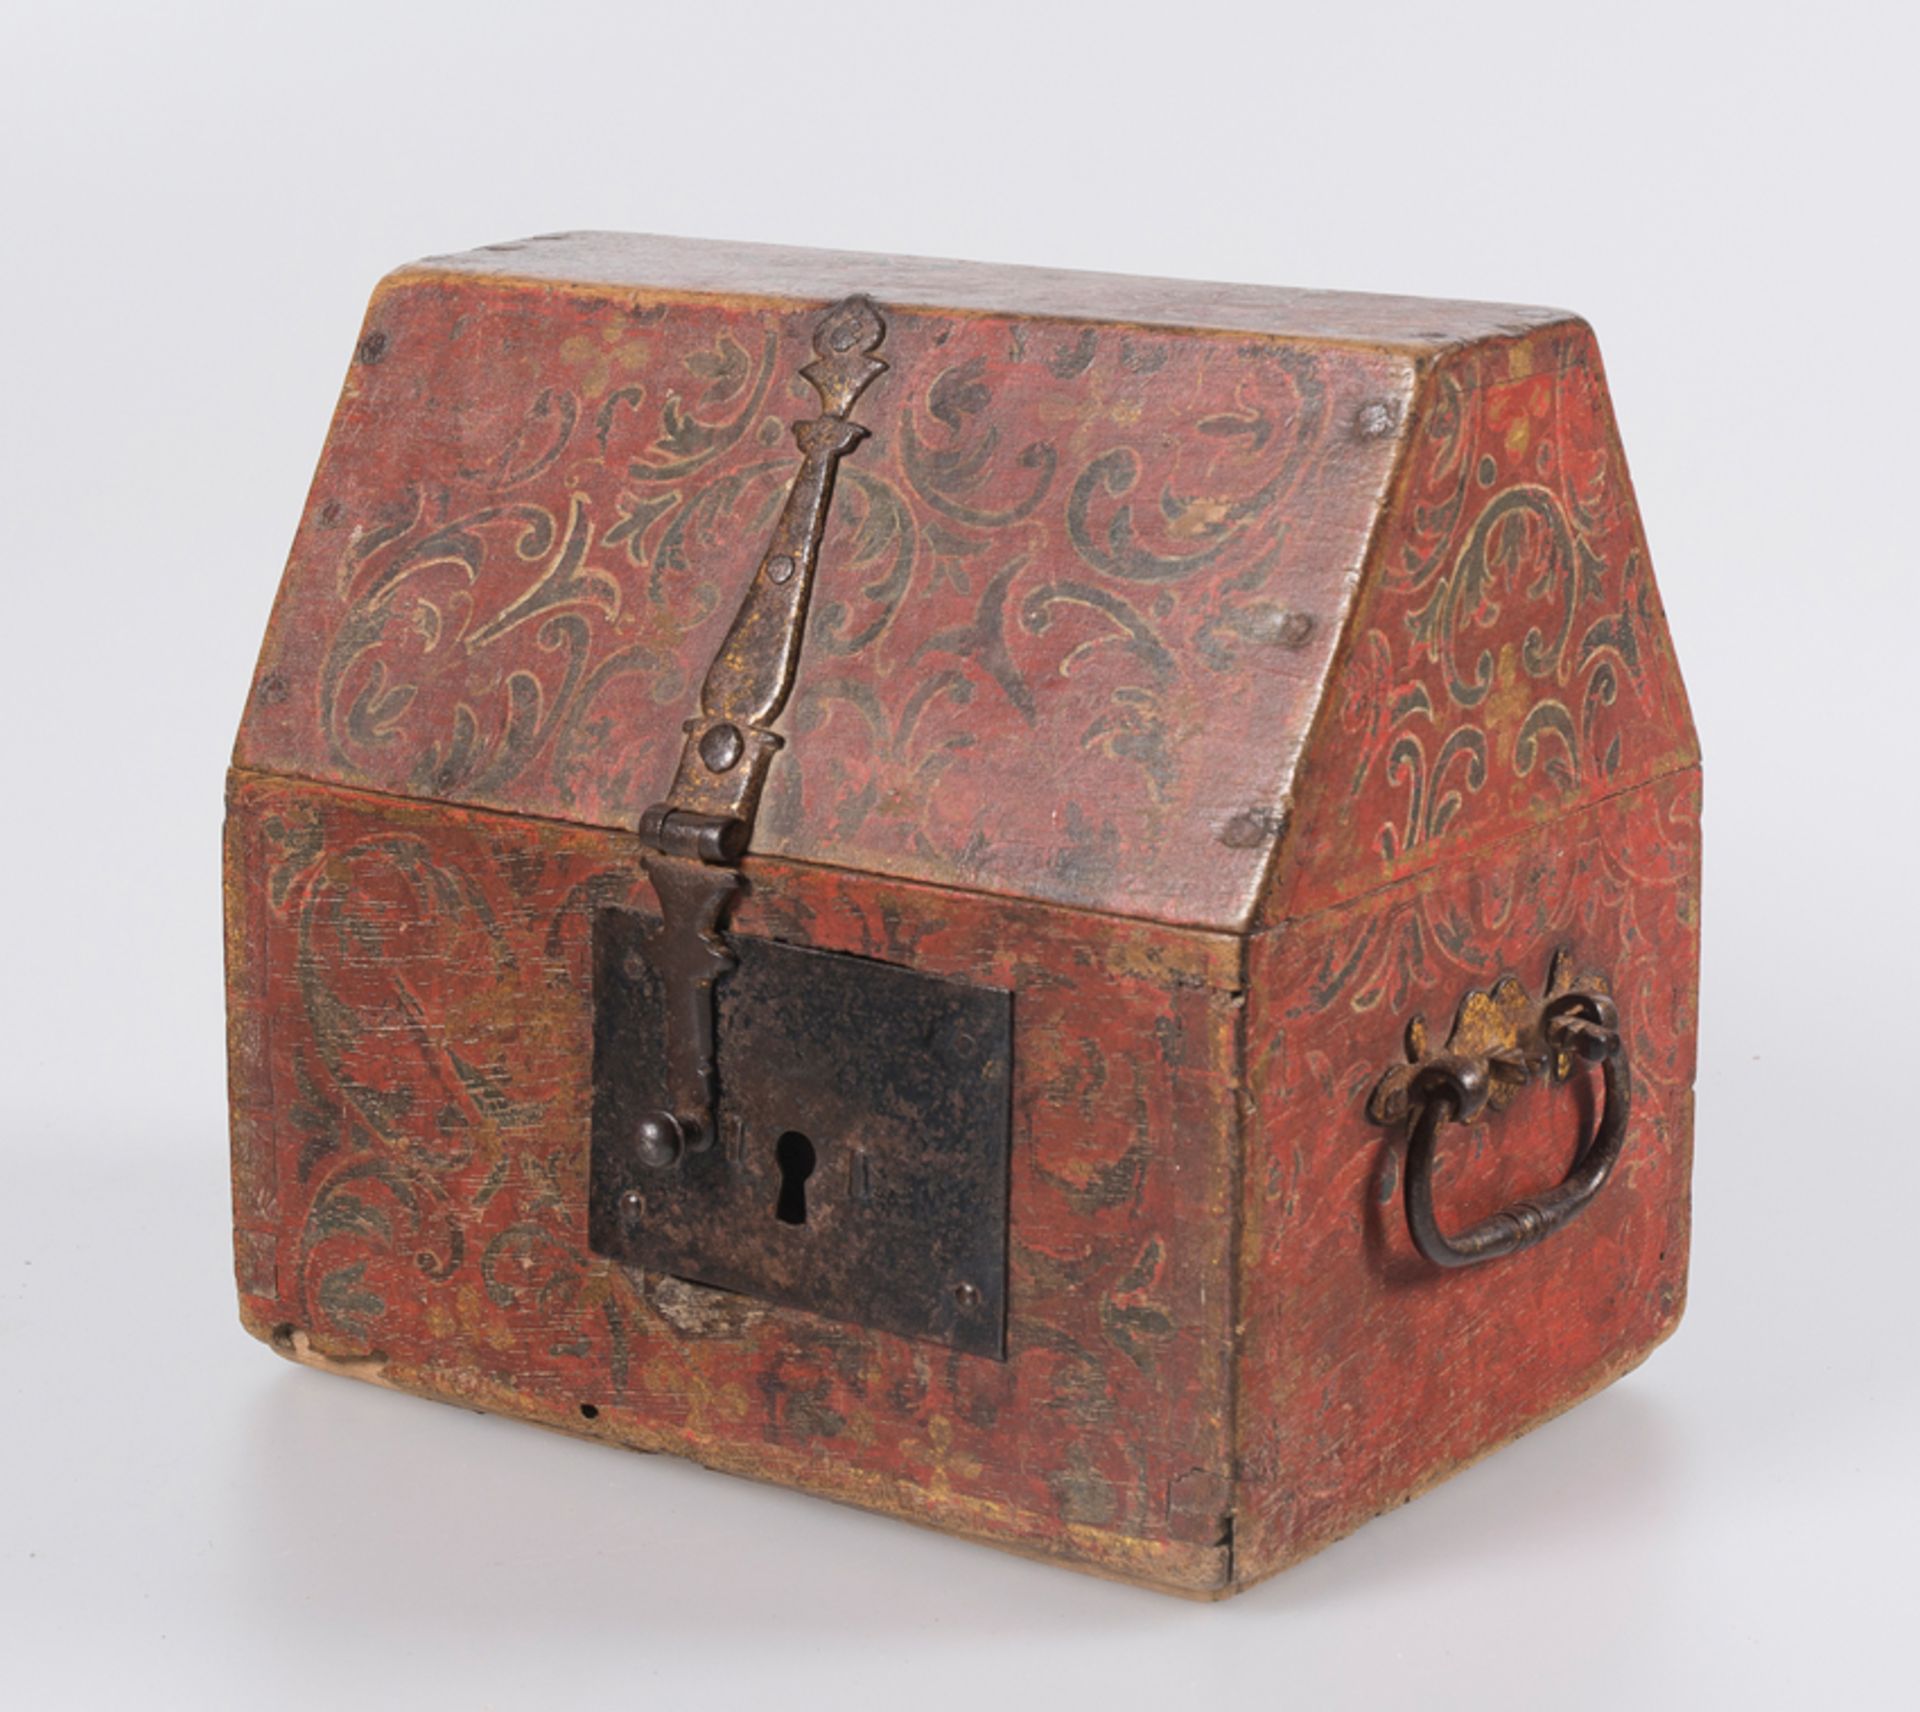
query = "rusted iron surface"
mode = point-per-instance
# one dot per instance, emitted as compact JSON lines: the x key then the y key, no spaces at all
{"x":859,"y":1165}
{"x":706,"y":823}
{"x":730,"y":743}
{"x":689,"y":954}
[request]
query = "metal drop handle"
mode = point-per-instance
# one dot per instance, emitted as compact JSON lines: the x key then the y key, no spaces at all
{"x":1500,"y":1041}
{"x":1441,"y":1091}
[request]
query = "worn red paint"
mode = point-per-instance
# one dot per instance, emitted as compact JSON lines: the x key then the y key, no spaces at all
{"x":1229,"y":681}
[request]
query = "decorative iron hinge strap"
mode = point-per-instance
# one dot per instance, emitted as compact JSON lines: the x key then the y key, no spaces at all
{"x":703,"y":828}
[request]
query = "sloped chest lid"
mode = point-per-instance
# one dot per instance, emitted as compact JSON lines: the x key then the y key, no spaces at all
{"x":1077,"y":597}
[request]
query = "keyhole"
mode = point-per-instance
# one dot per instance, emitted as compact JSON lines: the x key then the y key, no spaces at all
{"x":794,"y":1154}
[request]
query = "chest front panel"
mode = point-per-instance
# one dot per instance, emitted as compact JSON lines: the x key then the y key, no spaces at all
{"x":411,"y":993}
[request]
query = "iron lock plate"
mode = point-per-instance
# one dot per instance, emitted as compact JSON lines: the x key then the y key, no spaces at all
{"x":858,"y":1164}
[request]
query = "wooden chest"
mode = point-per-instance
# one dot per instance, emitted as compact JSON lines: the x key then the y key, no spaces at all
{"x":1061,"y":905}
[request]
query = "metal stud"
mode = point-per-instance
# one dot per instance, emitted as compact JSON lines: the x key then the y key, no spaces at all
{"x":721,"y":747}
{"x":658,"y":1140}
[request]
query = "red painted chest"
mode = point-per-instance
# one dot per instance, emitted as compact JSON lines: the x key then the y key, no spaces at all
{"x":1062,"y":905}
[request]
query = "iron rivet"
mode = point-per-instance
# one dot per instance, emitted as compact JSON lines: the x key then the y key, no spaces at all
{"x":722,"y":747}
{"x":658,"y":1139}
{"x":780,"y":568}
{"x":967,"y":1295}
{"x":633,"y":1203}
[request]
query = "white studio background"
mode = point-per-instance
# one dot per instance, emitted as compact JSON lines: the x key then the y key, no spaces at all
{"x":197,"y":200}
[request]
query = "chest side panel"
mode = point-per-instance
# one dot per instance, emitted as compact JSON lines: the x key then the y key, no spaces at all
{"x":412,"y":1026}
{"x":1367,"y":1372}
{"x":1077,"y":595}
{"x":1509,"y":659}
